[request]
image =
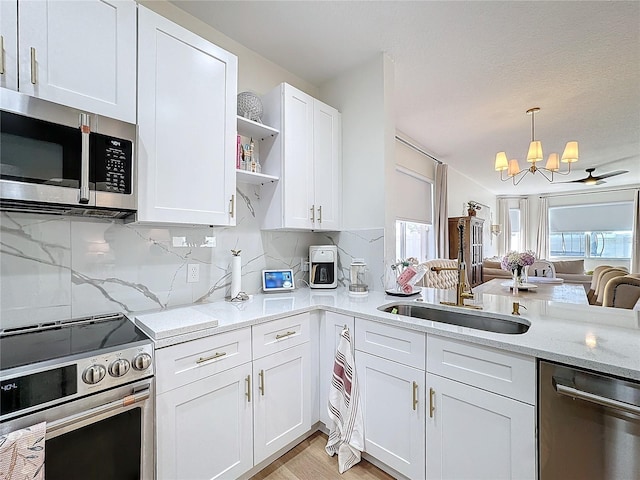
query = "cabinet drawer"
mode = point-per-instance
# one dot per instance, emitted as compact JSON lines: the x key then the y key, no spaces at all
{"x":393,"y":343}
{"x":191,"y":361}
{"x":507,"y":374}
{"x":280,"y":334}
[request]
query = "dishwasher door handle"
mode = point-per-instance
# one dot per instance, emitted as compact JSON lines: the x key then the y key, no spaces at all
{"x":574,"y":393}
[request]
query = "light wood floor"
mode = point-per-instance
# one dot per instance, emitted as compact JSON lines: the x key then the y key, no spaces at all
{"x":309,"y":461}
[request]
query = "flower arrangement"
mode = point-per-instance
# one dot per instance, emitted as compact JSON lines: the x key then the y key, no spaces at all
{"x":517,"y":260}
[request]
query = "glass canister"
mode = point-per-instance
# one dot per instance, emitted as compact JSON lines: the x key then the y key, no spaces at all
{"x":358,"y":277}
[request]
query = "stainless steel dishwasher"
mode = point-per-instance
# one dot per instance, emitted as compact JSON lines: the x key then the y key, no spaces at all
{"x":589,"y":425}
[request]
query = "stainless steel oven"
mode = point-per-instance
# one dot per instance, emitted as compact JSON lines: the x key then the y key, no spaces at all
{"x":56,"y":159}
{"x":91,"y":381}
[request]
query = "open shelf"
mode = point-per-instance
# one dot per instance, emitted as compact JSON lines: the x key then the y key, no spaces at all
{"x":254,"y":178}
{"x":249,"y":128}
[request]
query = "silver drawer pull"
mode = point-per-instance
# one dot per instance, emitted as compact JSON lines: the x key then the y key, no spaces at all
{"x":1,"y":55}
{"x":284,"y":335}
{"x":212,"y":357}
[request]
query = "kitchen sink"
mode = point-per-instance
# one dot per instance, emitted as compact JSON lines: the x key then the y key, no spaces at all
{"x":462,"y":319}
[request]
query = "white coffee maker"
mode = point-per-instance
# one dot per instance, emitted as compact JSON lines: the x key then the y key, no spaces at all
{"x":323,"y":266}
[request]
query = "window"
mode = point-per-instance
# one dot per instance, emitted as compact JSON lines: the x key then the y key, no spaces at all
{"x":514,"y":223}
{"x":591,"y":231}
{"x":413,"y":240}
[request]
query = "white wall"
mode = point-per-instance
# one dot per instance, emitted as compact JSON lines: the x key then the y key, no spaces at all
{"x":460,"y":190}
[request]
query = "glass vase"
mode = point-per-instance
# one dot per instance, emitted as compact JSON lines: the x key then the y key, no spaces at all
{"x":517,"y":279}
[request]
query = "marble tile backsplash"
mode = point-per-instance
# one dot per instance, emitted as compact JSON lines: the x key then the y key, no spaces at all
{"x":55,"y":268}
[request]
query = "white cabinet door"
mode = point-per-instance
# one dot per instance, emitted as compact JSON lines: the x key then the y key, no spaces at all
{"x":297,"y":176}
{"x":282,"y":399}
{"x":472,"y":433}
{"x":394,"y":413}
{"x":327,"y":167}
{"x":330,"y":330}
{"x":80,"y":54}
{"x":9,"y":44}
{"x":187,"y":126}
{"x":204,"y":428}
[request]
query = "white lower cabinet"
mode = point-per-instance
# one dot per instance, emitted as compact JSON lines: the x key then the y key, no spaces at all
{"x":472,"y":433}
{"x":394,"y":413}
{"x":481,"y":420}
{"x":204,"y":429}
{"x":282,"y":399}
{"x":331,"y":327}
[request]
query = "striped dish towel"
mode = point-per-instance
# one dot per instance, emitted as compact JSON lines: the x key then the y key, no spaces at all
{"x":346,"y":435}
{"x":22,"y":453}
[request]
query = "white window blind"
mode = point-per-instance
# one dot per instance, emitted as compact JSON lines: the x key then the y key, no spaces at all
{"x":413,"y":197}
{"x":604,"y":217}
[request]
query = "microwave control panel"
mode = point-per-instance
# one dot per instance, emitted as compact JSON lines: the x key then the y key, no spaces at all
{"x":112,"y":163}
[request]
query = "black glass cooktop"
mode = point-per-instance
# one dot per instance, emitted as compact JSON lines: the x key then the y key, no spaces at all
{"x":66,"y":339}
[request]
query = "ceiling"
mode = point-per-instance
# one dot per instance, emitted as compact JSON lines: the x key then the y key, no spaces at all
{"x":466,"y":72}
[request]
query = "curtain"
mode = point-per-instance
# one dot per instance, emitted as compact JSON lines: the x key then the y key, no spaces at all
{"x":440,"y":220}
{"x":504,"y":240}
{"x":635,"y":242}
{"x":542,"y":240}
{"x":523,"y":206}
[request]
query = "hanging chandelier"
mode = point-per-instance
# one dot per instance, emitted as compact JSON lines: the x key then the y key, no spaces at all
{"x":513,"y":171}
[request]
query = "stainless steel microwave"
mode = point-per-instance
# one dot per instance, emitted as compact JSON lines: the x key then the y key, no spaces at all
{"x":55,"y":159}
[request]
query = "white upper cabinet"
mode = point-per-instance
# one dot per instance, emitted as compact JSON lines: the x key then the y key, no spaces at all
{"x":9,"y":44}
{"x":80,"y":54}
{"x":186,"y":126}
{"x":308,"y":195}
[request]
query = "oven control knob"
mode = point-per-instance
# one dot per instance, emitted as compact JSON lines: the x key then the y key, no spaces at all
{"x":93,"y":374}
{"x":119,"y":367}
{"x":142,"y":361}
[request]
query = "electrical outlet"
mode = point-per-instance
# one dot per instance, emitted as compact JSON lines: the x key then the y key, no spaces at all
{"x":193,"y":273}
{"x":304,"y":264}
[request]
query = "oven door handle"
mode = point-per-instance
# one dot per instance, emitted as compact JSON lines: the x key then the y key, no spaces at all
{"x":92,"y":412}
{"x":574,"y":393}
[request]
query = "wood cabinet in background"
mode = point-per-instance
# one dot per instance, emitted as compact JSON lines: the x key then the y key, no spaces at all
{"x":472,"y":246}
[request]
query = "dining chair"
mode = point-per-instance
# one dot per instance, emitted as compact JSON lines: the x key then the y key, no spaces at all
{"x":622,"y":292}
{"x":595,"y":276}
{"x":604,"y":279}
{"x":542,"y":268}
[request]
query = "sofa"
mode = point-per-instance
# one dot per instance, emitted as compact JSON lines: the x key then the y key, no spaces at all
{"x":571,"y":271}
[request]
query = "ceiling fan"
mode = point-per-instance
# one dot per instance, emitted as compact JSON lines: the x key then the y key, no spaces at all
{"x":596,"y":179}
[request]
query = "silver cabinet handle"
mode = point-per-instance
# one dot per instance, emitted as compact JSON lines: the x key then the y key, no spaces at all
{"x":597,"y":399}
{"x":212,"y":357}
{"x":261,"y":385}
{"x":320,"y":214}
{"x":248,"y":382}
{"x":232,"y":206}
{"x":107,"y":407}
{"x":34,"y":79}
{"x":284,"y":335}
{"x":432,"y":405}
{"x":313,"y":213}
{"x":1,"y":55}
{"x":85,"y":128}
{"x":415,"y":395}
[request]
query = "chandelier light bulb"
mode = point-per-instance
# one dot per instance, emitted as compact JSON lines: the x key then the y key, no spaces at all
{"x":570,"y":153}
{"x":535,"y":152}
{"x":501,"y":162}
{"x":514,"y":168}
{"x":553,"y":163}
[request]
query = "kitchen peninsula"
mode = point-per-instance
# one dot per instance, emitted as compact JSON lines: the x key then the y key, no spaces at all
{"x":275,"y":354}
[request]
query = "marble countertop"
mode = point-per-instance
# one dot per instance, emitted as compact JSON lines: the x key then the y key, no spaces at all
{"x":598,"y":338}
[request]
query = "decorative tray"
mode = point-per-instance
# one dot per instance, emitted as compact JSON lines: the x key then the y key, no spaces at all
{"x":399,"y":293}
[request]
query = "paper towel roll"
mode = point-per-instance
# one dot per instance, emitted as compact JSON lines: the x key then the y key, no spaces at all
{"x":236,"y":275}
